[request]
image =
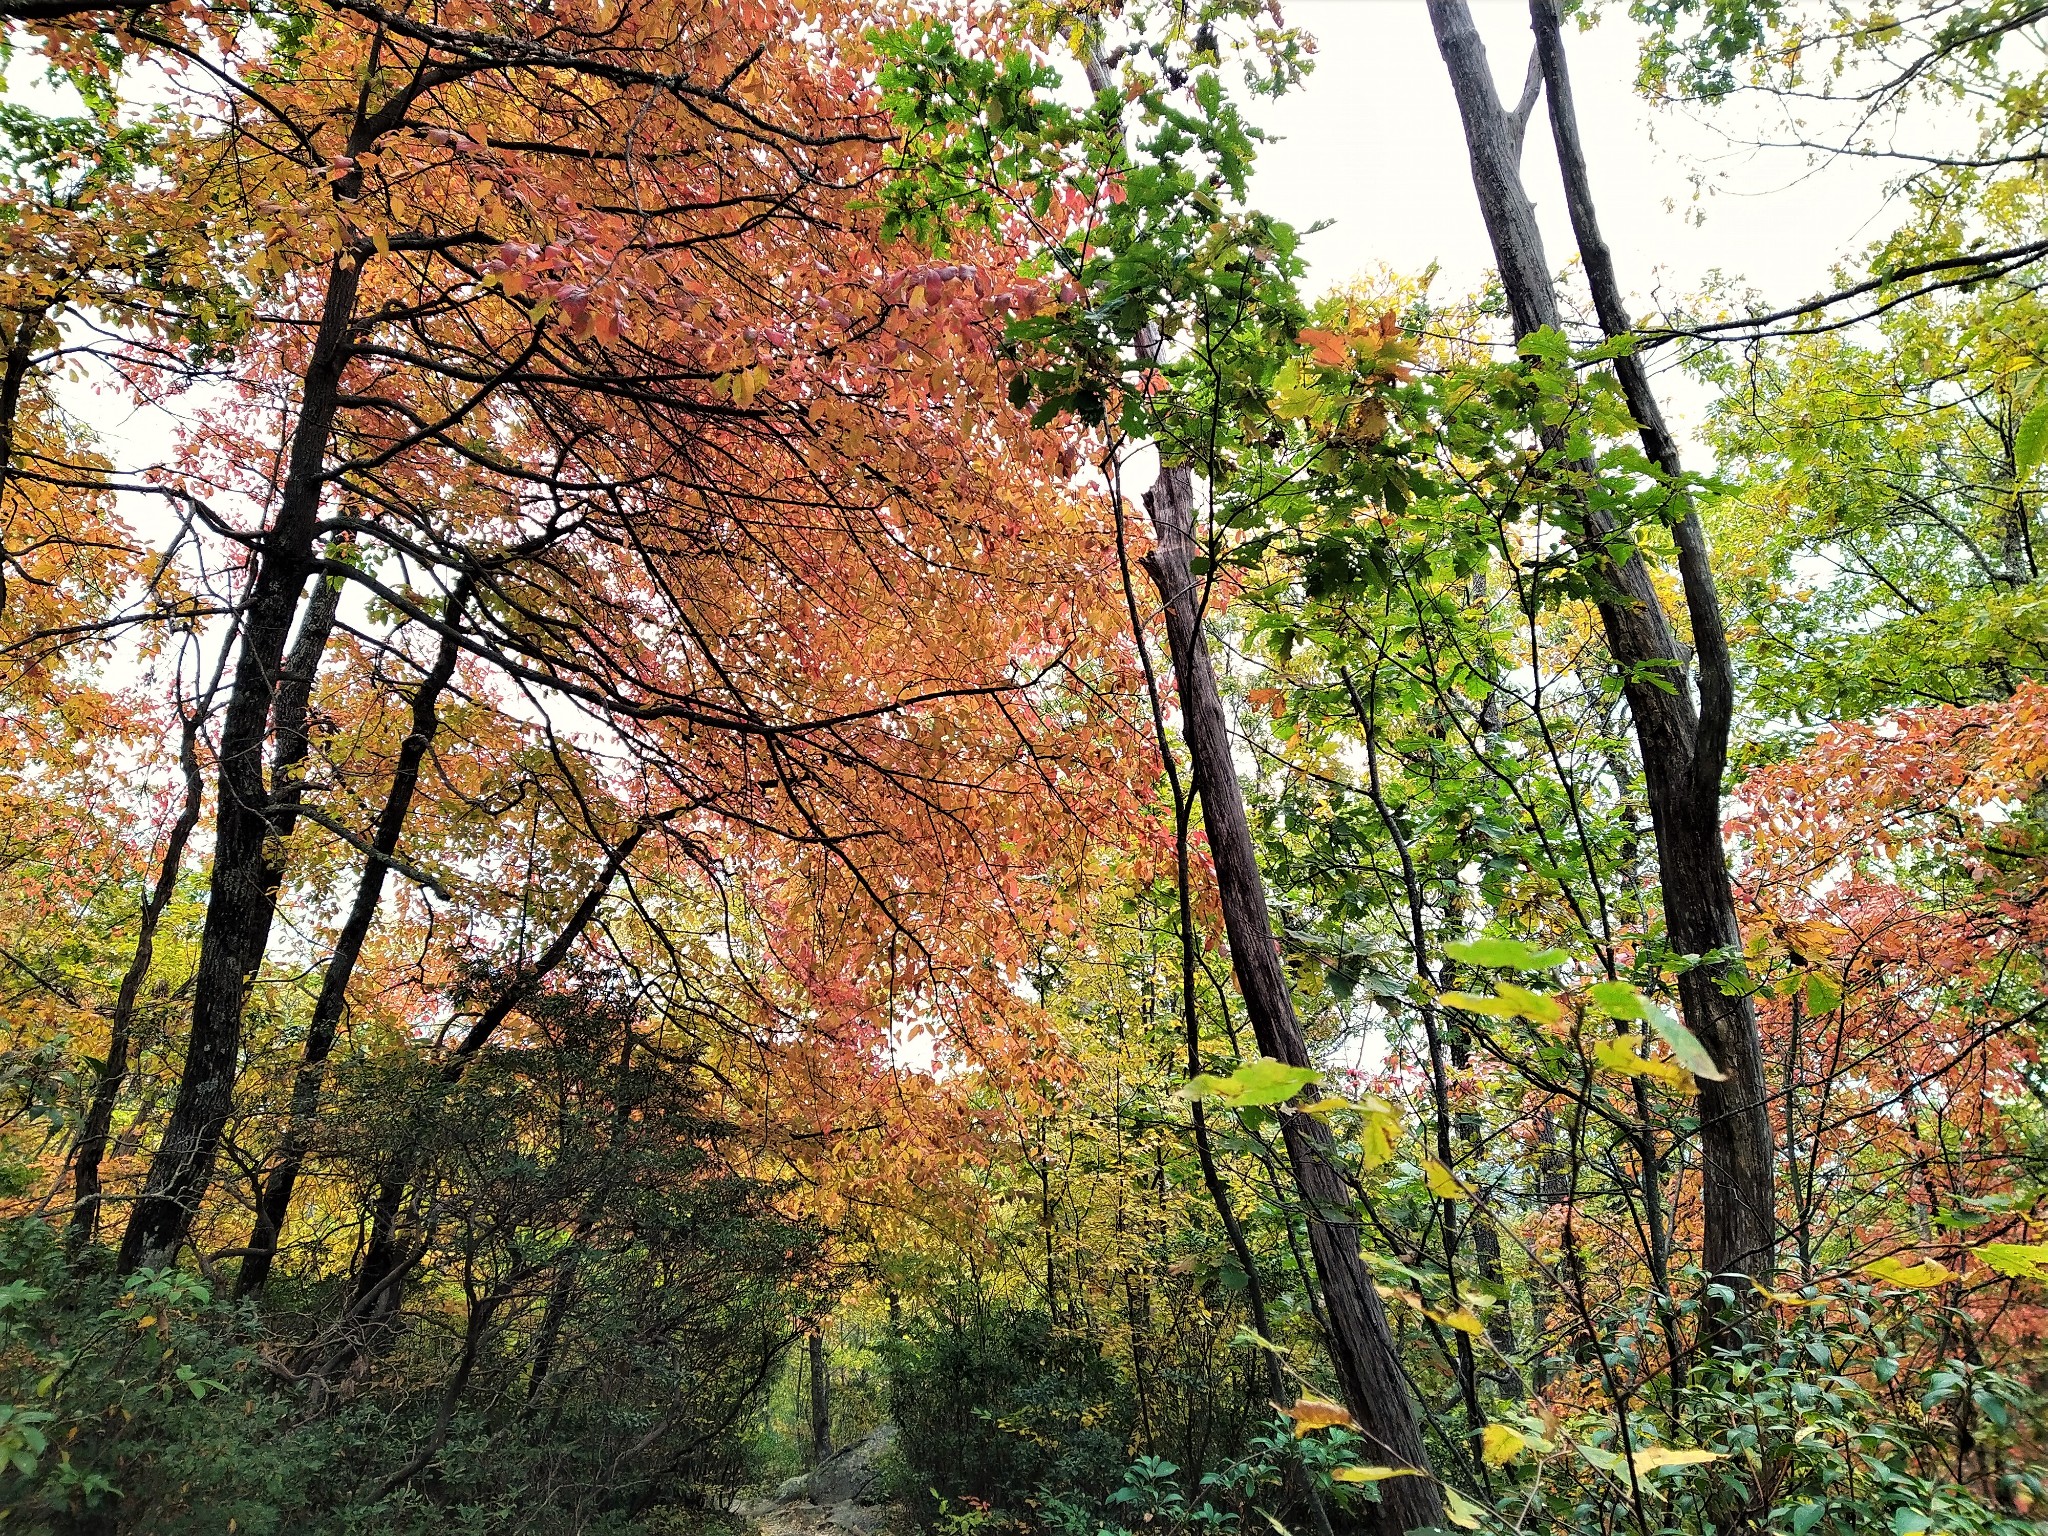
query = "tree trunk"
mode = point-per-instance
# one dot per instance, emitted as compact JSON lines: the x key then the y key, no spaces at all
{"x":821,"y":1406}
{"x":20,"y":357}
{"x":1361,"y":1344}
{"x":113,"y":1071}
{"x":239,"y":906}
{"x":275,"y":1201}
{"x":1683,"y":744}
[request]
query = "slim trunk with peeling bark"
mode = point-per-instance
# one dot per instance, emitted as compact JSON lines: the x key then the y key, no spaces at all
{"x":1361,"y":1344}
{"x":239,"y":900}
{"x":1682,"y":737}
{"x":274,"y":1203}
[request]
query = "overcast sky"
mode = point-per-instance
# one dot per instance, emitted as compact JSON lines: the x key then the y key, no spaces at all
{"x":1372,"y":144}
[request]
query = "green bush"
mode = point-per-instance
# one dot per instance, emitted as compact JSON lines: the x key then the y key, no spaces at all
{"x":1000,"y":1407}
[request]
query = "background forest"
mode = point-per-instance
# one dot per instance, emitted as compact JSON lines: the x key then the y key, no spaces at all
{"x":794,"y":740}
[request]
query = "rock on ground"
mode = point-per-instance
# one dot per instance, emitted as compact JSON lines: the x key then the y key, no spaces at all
{"x":841,"y":1497}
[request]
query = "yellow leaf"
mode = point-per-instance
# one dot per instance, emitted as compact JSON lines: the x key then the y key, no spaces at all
{"x":1370,"y":1474}
{"x":1651,"y":1457}
{"x":1379,"y":1125}
{"x":1465,"y":1320}
{"x":1619,"y":1055}
{"x":1461,"y":1511}
{"x":382,"y":241}
{"x":1442,"y":1182}
{"x":1508,"y":1002}
{"x":1318,"y":1413}
{"x":1499,"y":1445}
{"x":1913,"y":1277}
{"x":1788,"y":1298}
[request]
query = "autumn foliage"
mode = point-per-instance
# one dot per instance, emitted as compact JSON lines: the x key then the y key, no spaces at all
{"x":606,"y":767}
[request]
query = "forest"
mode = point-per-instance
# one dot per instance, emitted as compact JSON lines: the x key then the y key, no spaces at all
{"x":793,"y":759}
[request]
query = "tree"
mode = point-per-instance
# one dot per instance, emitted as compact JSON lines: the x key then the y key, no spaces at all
{"x":1681,"y":721}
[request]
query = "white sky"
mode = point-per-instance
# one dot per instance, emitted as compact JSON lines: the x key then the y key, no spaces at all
{"x":1371,"y":144}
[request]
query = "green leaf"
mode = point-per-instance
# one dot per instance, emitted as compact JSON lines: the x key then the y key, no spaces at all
{"x":1548,"y":344}
{"x":1461,"y":1511}
{"x":1505,"y":954}
{"x":1508,"y":1002}
{"x":1264,"y":1081}
{"x":2030,"y":440}
{"x":2016,"y":1261}
{"x":1821,"y":993}
{"x":1621,"y":1000}
{"x":1270,"y":1082}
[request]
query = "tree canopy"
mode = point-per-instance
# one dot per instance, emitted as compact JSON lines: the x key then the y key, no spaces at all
{"x":792,"y":738}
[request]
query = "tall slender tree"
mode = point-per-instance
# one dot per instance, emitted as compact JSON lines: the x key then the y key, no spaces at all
{"x":1681,"y":703}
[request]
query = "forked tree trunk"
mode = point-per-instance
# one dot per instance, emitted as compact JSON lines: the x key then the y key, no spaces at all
{"x":274,"y":1203}
{"x":1361,"y":1344}
{"x":240,"y":899}
{"x":1682,"y":735}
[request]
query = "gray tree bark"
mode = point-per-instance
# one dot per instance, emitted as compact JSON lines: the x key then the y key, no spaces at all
{"x":1682,"y":733}
{"x":1362,"y":1346}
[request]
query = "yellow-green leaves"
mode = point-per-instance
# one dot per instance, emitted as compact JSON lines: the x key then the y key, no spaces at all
{"x":1461,"y":1511}
{"x":2030,"y":440}
{"x":1505,"y":955}
{"x":1296,"y":393}
{"x":1619,"y":1055}
{"x":1913,"y":1277}
{"x":1264,"y":1081}
{"x":1620,"y":1000}
{"x":1508,"y":1002}
{"x":1379,"y":1123}
{"x":2016,"y":1261}
{"x":1651,"y":1457}
{"x":1499,"y":1445}
{"x":1443,"y":1183}
{"x":1821,"y":993}
{"x":1788,"y":1298}
{"x":1645,"y":1459}
{"x":1370,"y":1474}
